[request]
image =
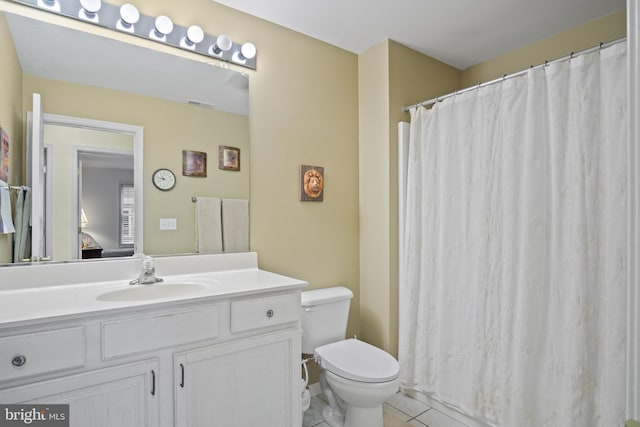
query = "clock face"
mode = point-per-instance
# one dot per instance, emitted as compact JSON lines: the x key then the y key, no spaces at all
{"x":164,"y":179}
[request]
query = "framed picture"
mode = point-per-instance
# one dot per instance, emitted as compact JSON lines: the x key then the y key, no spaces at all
{"x":228,"y":158}
{"x":311,"y":183}
{"x":194,"y":163}
{"x":4,"y":156}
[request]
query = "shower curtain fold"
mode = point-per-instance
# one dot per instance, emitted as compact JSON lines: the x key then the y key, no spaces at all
{"x":514,"y":274}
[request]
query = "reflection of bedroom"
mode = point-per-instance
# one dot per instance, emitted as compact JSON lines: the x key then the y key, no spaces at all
{"x":107,"y":205}
{"x":104,"y":164}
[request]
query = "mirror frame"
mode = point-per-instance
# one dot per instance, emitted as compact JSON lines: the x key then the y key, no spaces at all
{"x":137,"y":132}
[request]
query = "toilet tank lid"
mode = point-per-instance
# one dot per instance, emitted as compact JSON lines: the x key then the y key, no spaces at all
{"x":325,"y":295}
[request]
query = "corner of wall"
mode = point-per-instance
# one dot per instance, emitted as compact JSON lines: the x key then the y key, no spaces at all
{"x":390,"y":75}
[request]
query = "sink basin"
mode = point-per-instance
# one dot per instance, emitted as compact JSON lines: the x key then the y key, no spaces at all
{"x":154,"y":291}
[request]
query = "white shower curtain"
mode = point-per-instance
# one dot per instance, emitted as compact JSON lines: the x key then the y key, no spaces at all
{"x":513,"y":304}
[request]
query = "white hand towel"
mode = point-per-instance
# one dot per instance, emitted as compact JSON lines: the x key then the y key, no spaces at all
{"x":6,"y":221}
{"x":208,"y":225}
{"x":235,"y":225}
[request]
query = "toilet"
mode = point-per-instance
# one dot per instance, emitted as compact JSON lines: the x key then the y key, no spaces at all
{"x":356,"y":377}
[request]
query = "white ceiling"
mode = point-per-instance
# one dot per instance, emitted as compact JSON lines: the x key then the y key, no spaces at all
{"x":460,"y":33}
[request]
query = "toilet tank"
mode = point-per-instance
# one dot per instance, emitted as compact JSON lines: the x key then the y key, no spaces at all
{"x":324,"y":316}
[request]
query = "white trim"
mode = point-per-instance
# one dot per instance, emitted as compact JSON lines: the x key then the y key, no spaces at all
{"x":48,"y":201}
{"x":633,"y":297}
{"x":138,"y":174}
{"x":403,"y":161}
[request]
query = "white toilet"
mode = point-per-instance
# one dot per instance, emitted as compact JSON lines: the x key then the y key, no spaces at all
{"x":356,"y":377}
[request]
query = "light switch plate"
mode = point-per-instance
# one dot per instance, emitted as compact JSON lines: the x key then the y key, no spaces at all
{"x":168,"y":224}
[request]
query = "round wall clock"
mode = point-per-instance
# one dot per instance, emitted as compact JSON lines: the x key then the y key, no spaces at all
{"x":164,"y":179}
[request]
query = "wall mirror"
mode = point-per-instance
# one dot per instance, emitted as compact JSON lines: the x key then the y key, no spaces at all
{"x":181,"y":102}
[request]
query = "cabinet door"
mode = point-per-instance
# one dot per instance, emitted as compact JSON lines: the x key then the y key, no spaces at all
{"x":243,"y":383}
{"x":123,"y":396}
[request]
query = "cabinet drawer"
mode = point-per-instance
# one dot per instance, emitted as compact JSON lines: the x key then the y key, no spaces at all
{"x":151,"y":332}
{"x":264,"y":312}
{"x":40,"y":353}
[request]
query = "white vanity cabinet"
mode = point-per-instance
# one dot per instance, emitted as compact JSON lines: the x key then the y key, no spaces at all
{"x":250,"y":381}
{"x":223,"y":361}
{"x":124,"y":396}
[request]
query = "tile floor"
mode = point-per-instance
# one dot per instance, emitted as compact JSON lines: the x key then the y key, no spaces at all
{"x":399,"y":411}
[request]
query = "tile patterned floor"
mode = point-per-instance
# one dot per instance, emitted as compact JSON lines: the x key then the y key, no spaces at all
{"x":399,"y":411}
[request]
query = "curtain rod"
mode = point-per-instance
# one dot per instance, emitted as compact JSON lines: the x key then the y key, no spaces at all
{"x":437,"y":99}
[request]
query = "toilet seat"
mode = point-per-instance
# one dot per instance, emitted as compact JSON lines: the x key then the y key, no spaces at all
{"x":358,"y":361}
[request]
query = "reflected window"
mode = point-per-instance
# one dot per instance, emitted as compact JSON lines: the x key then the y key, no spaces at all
{"x":127,"y":215}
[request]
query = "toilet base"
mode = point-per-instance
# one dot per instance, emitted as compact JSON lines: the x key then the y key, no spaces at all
{"x":355,"y":403}
{"x":331,"y":417}
{"x":354,"y":417}
{"x":360,"y":417}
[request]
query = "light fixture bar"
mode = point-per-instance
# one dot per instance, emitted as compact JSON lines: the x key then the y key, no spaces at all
{"x":108,"y":16}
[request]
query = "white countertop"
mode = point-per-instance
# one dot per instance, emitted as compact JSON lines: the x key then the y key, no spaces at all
{"x":20,"y":306}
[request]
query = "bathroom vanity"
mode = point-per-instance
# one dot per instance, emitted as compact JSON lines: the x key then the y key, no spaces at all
{"x":216,"y":344}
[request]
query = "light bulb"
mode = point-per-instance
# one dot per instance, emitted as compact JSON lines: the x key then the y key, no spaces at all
{"x":163,"y":26}
{"x":247,"y":51}
{"x":89,"y":10}
{"x":129,"y":16}
{"x":194,"y":36}
{"x":223,"y":44}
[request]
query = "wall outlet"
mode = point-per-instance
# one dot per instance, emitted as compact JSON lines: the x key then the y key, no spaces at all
{"x":168,"y":224}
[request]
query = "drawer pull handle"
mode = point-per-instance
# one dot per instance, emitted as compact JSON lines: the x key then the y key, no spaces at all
{"x":153,"y":382}
{"x":19,"y":361}
{"x":270,"y":313}
{"x":182,"y":375}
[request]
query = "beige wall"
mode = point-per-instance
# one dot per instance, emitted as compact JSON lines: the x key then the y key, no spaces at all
{"x":373,"y":89}
{"x":389,"y":76}
{"x":10,"y":118}
{"x":605,"y":29}
{"x":304,"y":110}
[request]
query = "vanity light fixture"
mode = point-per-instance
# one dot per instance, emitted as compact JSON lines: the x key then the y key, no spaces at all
{"x":89,"y":10}
{"x":194,"y":36}
{"x":223,"y":44}
{"x":247,"y":51}
{"x":163,"y":27}
{"x":129,"y":16}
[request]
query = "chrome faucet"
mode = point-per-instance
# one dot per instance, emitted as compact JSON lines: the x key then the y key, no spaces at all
{"x":148,"y":273}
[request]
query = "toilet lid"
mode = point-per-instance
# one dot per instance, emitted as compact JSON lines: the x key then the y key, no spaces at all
{"x":358,"y":361}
